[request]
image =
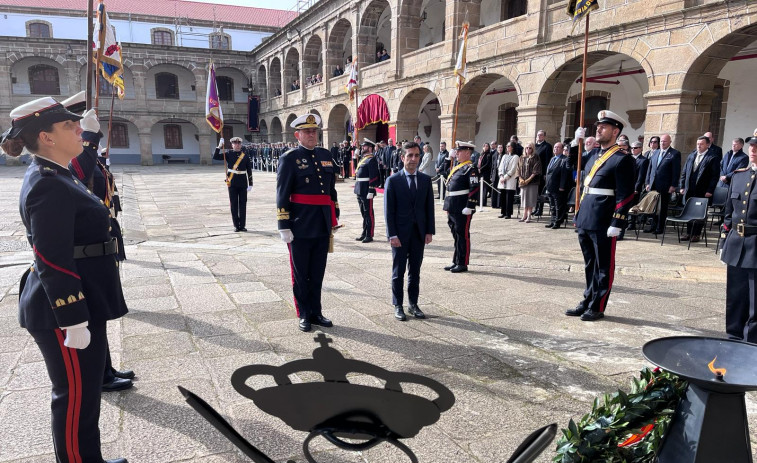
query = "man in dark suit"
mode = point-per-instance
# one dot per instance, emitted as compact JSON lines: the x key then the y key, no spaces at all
{"x":740,"y":252}
{"x":558,"y":177}
{"x":732,"y":161}
{"x":606,"y":198}
{"x":409,"y":213}
{"x":544,"y":150}
{"x":698,"y":180}
{"x":712,"y":147}
{"x":662,"y":176}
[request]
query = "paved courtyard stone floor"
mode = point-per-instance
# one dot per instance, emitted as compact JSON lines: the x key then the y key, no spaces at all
{"x":205,"y":301}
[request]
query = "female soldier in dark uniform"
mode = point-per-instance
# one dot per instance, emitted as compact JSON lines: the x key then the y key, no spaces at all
{"x":88,"y":168}
{"x":72,"y":288}
{"x":238,"y":164}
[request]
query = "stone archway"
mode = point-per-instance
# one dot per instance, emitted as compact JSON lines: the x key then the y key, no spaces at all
{"x":418,"y":114}
{"x":336,"y":131}
{"x":288,"y":130}
{"x":274,"y":78}
{"x":478,"y":113}
{"x":262,"y":134}
{"x":312,"y":57}
{"x":291,"y":68}
{"x":261,"y":83}
{"x":275,"y":134}
{"x":339,"y":45}
{"x":368,"y":42}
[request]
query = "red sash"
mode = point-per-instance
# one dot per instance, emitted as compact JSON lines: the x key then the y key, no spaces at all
{"x":316,"y":200}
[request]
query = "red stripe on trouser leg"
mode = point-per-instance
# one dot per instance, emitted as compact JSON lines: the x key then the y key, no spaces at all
{"x":370,"y":214}
{"x":291,"y":268}
{"x":603,"y":301}
{"x":77,"y":402}
{"x":70,"y":450}
{"x":467,"y":239}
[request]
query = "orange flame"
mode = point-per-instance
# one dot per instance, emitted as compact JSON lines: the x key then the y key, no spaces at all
{"x":717,"y":371}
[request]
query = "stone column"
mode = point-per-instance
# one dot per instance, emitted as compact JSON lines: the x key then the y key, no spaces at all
{"x":395,"y":51}
{"x":683,"y":114}
{"x":328,"y":72}
{"x":446,"y":125}
{"x":303,"y":86}
{"x":145,"y":148}
{"x":540,"y":117}
{"x":140,"y":90}
{"x":207,"y":140}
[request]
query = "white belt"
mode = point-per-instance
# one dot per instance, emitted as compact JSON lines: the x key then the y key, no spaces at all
{"x":363,"y":179}
{"x":232,"y":171}
{"x":458,"y":192}
{"x":599,"y":191}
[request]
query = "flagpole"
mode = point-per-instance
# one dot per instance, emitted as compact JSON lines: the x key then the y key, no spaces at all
{"x":454,"y":125}
{"x":88,"y":51}
{"x":357,"y":125}
{"x":96,"y":77}
{"x":110,"y":119}
{"x":583,"y":107}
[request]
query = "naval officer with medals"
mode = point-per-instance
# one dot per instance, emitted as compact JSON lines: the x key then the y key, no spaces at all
{"x":460,"y":204}
{"x":307,"y":212}
{"x":607,"y":195}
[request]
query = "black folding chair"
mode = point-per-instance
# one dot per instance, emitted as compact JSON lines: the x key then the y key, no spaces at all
{"x":695,"y":210}
{"x":642,"y":217}
{"x":717,"y":207}
{"x":571,"y":203}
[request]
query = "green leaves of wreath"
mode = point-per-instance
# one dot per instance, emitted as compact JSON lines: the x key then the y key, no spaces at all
{"x":624,"y":428}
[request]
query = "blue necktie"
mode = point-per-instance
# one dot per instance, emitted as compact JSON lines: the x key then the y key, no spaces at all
{"x":413,"y":188}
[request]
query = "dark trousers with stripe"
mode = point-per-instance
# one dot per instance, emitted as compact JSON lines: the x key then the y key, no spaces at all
{"x":238,"y":203}
{"x":408,"y":256}
{"x":307,"y":258}
{"x":459,"y":224}
{"x":741,"y":304}
{"x":599,"y":261}
{"x":77,"y":376}
{"x":366,"y":210}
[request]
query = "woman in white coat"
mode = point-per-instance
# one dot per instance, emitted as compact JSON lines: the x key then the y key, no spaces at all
{"x":428,"y":166}
{"x":508,"y":180}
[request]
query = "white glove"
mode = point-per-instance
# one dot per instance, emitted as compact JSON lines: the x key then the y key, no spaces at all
{"x":580,"y":133}
{"x":467,"y":211}
{"x":370,"y":196}
{"x":613,"y":231}
{"x":220,"y":143}
{"x":89,"y":122}
{"x":249,"y":188}
{"x":77,"y":338}
{"x":286,"y":236}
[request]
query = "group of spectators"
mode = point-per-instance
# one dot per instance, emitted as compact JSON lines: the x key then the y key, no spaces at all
{"x":382,"y":55}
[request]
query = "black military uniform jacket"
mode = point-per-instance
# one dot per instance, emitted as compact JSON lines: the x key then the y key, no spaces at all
{"x":236,"y":179}
{"x":305,"y":172}
{"x":367,"y":176}
{"x":599,"y":212}
{"x":462,"y":188}
{"x":741,"y":215}
{"x":59,"y":213}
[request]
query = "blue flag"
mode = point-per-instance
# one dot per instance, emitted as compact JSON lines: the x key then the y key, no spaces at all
{"x":577,"y":9}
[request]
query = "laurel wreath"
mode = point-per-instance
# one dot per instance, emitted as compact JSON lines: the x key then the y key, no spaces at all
{"x":624,"y":428}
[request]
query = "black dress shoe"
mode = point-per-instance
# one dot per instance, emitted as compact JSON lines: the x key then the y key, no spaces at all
{"x":590,"y":316}
{"x":236,"y":229}
{"x":399,"y":314}
{"x":242,"y":229}
{"x":459,"y":269}
{"x":368,"y":239}
{"x":321,"y":321}
{"x":577,"y":312}
{"x":125,"y":374}
{"x":118,"y":384}
{"x":450,"y":267}
{"x":556,"y":226}
{"x":305,"y":325}
{"x":415,"y":311}
{"x":502,"y":216}
{"x":360,"y":238}
{"x":549,"y":225}
{"x":117,"y":460}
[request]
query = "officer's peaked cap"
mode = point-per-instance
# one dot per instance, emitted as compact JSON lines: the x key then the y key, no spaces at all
{"x":608,"y":117}
{"x":234,"y":139}
{"x":76,"y":103}
{"x":367,"y":142}
{"x":37,"y":114}
{"x":465,"y":145}
{"x":306,"y":121}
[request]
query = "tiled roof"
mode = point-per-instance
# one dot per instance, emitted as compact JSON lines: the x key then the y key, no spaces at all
{"x":171,"y":9}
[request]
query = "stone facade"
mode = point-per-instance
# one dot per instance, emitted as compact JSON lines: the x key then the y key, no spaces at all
{"x":678,"y":47}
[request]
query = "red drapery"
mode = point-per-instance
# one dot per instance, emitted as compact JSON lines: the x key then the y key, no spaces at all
{"x":371,"y":111}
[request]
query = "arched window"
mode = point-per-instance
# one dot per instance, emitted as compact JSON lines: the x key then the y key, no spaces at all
{"x":172,"y":137}
{"x":166,"y":86}
{"x":225,"y":88}
{"x":594,"y":104}
{"x":43,"y":80}
{"x":220,"y":41}
{"x":39,"y":30}
{"x":119,"y":135}
{"x":161,"y":37}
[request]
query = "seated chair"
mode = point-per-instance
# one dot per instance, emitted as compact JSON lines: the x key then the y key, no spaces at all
{"x":695,"y":210}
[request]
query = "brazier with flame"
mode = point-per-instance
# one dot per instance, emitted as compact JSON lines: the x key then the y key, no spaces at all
{"x":710,"y":424}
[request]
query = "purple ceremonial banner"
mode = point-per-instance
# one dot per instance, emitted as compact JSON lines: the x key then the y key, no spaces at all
{"x":213,"y":113}
{"x":253,"y":109}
